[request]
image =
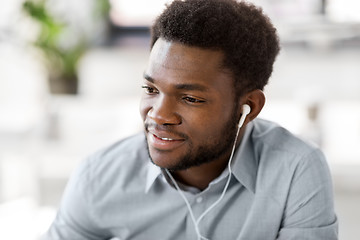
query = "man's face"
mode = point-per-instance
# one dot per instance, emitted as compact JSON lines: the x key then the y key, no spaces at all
{"x":188,"y":106}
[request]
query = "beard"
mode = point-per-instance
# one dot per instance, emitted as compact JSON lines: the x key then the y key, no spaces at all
{"x":209,"y":151}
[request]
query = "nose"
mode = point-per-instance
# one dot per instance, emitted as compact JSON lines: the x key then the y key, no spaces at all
{"x":163,"y":112}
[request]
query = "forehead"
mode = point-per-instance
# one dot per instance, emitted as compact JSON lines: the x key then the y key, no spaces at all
{"x":179,"y":62}
{"x":170,"y":54}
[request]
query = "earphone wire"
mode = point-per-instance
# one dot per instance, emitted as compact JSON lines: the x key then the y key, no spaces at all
{"x":197,"y":221}
{"x":197,"y":230}
{"x":229,"y":177}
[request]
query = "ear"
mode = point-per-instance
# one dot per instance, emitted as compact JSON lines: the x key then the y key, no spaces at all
{"x":256,"y":100}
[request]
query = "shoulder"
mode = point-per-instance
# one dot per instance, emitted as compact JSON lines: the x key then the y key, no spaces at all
{"x":273,"y":140}
{"x":294,"y":181}
{"x":270,"y":135}
{"x":121,"y":163}
{"x":281,"y":154}
{"x":130,"y":147}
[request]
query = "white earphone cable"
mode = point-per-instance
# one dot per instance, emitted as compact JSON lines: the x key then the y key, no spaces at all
{"x":197,"y":221}
{"x":199,"y":236}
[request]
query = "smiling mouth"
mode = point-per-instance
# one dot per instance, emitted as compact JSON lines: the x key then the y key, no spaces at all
{"x":164,"y":143}
{"x":165,"y":139}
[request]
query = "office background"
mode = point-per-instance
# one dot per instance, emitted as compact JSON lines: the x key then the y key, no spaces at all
{"x":44,"y":133}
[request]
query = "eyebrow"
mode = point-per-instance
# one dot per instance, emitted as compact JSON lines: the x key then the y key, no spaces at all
{"x":183,"y":86}
{"x":148,"y":78}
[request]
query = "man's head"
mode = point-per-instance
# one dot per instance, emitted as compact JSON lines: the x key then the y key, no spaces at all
{"x":200,"y":49}
{"x":238,"y":29}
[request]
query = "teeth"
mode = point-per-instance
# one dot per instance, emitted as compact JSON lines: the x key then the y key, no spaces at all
{"x":166,"y":139}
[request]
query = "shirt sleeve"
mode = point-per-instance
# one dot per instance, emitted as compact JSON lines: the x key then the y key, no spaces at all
{"x":309,"y":212}
{"x":75,"y":219}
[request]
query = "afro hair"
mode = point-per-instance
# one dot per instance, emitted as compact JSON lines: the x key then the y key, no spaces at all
{"x":240,"y":30}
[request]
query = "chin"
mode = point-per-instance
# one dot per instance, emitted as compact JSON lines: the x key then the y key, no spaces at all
{"x":160,"y":159}
{"x":165,"y":164}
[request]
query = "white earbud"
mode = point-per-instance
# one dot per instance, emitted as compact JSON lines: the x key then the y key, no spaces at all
{"x":246,"y":109}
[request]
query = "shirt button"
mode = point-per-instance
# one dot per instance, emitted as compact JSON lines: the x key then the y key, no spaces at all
{"x":199,"y":199}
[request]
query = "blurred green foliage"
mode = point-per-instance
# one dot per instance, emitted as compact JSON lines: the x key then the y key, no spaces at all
{"x":62,"y":61}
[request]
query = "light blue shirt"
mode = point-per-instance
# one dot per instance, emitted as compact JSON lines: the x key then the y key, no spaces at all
{"x":280,"y":189}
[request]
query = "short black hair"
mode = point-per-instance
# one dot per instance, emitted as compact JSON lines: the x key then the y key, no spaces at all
{"x":240,"y":30}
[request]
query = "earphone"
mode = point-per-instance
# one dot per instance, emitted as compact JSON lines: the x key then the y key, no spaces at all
{"x":246,"y":109}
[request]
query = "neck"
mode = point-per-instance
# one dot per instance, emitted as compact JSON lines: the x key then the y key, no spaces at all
{"x":201,"y":176}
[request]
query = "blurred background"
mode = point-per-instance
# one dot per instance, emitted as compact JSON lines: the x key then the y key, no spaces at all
{"x":70,"y":76}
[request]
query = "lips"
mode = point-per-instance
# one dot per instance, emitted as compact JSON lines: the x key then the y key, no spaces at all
{"x":164,"y":140}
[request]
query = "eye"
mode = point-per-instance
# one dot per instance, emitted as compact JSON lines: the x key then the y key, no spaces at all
{"x":193,"y":100}
{"x":149,"y":90}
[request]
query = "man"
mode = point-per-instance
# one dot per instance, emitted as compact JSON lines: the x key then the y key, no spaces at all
{"x":205,"y":168}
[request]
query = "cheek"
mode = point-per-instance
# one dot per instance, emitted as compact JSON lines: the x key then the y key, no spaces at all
{"x":200,"y":125}
{"x":210,"y":125}
{"x":144,"y":107}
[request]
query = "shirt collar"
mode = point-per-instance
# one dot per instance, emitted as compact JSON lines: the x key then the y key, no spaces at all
{"x":244,"y":166}
{"x":153,"y":173}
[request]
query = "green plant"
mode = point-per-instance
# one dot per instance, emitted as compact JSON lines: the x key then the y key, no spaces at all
{"x":61,"y":61}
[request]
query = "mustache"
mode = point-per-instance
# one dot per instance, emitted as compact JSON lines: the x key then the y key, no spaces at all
{"x":165,"y":128}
